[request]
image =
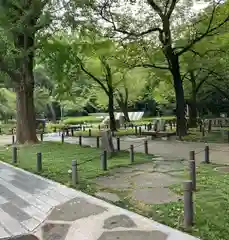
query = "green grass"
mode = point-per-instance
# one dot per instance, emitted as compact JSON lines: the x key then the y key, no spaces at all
{"x":57,"y":157}
{"x":211,"y":206}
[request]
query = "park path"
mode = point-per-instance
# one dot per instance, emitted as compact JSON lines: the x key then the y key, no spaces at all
{"x":171,"y":150}
{"x":32,"y":207}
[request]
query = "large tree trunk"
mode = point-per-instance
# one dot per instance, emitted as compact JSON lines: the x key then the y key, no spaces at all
{"x":111,"y":111}
{"x":26,"y":121}
{"x":180,"y":101}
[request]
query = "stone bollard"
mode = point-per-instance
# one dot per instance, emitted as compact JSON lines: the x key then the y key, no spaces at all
{"x":62,"y":138}
{"x":118,"y":143}
{"x":89,"y":133}
{"x":192,"y":171}
{"x":80,"y":140}
{"x":188,"y":205}
{"x":14,"y":155}
{"x":99,"y":127}
{"x":39,"y":162}
{"x":192,"y":155}
{"x":206,"y":155}
{"x":75,"y":177}
{"x":140,"y":131}
{"x":104,"y":161}
{"x":228,"y":136}
{"x":131,"y":153}
{"x":97,"y":141}
{"x":146,"y":146}
{"x":13,"y":139}
{"x":42,"y":137}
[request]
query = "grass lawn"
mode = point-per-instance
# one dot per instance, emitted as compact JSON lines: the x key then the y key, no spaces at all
{"x":57,"y":157}
{"x":211,"y":203}
{"x":215,"y":136}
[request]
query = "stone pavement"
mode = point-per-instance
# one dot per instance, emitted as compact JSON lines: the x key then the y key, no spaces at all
{"x":32,"y":207}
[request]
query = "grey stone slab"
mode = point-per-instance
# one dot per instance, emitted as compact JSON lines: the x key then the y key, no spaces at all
{"x":30,"y":224}
{"x":154,"y":195}
{"x":75,"y":209}
{"x":53,"y":231}
{"x":108,"y":196}
{"x":3,"y":200}
{"x":15,"y":212}
{"x":22,"y":237}
{"x":119,"y":221}
{"x":3,"y":233}
{"x":133,"y":235}
{"x":113,"y":182}
{"x":12,"y":196}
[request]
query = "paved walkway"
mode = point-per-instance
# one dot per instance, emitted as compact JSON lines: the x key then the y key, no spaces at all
{"x":36,"y":208}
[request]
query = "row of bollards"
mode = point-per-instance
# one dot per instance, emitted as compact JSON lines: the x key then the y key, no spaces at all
{"x":15,"y":158}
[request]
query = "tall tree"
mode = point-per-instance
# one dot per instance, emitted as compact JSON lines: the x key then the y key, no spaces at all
{"x":169,"y":20}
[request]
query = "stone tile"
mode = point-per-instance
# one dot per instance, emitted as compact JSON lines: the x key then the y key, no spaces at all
{"x":10,"y":224}
{"x":133,"y":235}
{"x":75,"y":209}
{"x":15,"y":212}
{"x":35,"y":212}
{"x":23,"y":237}
{"x":12,"y":196}
{"x":113,"y":182}
{"x":53,"y":231}
{"x":154,"y":195}
{"x":30,"y":224}
{"x":108,"y":196}
{"x":119,"y":221}
{"x":154,"y":179}
{"x":3,"y":200}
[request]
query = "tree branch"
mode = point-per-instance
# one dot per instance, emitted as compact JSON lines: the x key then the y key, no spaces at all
{"x":148,"y":65}
{"x":156,"y":8}
{"x":209,"y":32}
{"x":172,"y":7}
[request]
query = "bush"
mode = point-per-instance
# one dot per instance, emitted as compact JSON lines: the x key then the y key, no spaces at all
{"x":82,"y":120}
{"x":50,"y":127}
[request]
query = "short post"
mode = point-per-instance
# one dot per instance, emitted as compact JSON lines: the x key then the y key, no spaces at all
{"x":192,"y":155}
{"x":206,"y":151}
{"x":146,"y":146}
{"x":54,"y":129}
{"x":132,"y":125}
{"x":75,"y":177}
{"x":104,"y":160}
{"x":145,"y":126}
{"x":0,"y":131}
{"x":228,"y":136}
{"x":12,"y":131}
{"x":62,"y":138}
{"x":140,"y":130}
{"x":192,"y":169}
{"x":188,"y":205}
{"x":84,"y":128}
{"x":97,"y":141}
{"x":14,"y":155}
{"x":72,"y":132}
{"x":113,"y":133}
{"x":203,"y":131}
{"x":118,"y":144}
{"x":131,"y":153}
{"x":13,"y":139}
{"x":136,"y":130}
{"x":89,"y":133}
{"x":99,"y":127}
{"x":39,"y":162}
{"x":41,"y":137}
{"x":125,"y":125}
{"x":80,"y":140}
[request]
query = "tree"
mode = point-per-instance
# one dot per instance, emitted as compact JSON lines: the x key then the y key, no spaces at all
{"x":169,"y":20}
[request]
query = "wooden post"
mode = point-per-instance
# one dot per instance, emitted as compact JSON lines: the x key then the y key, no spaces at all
{"x":72,"y":132}
{"x":188,"y":205}
{"x":131,"y":153}
{"x":99,"y":127}
{"x":84,"y":128}
{"x":89,"y":132}
{"x":145,"y":126}
{"x":124,"y":125}
{"x":62,"y":138}
{"x":207,"y":157}
{"x":140,"y":131}
{"x":75,"y":177}
{"x":13,"y":139}
{"x":97,"y":141}
{"x":80,"y":140}
{"x":118,"y":143}
{"x":104,"y":161}
{"x":136,"y":130}
{"x":192,"y":155}
{"x":146,"y":146}
{"x":41,"y":137}
{"x":14,"y":155}
{"x":54,"y":129}
{"x":228,"y":136}
{"x":39,"y":162}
